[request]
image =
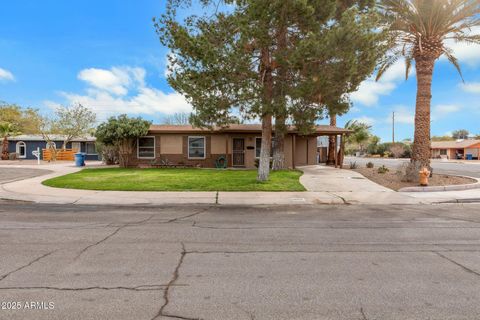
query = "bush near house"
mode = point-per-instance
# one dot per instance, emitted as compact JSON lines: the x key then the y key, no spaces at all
{"x":388,"y":149}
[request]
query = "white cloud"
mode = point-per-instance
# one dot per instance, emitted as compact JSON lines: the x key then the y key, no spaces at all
{"x":443,"y":110}
{"x":472,"y":87}
{"x":465,"y":52}
{"x":370,"y":90}
{"x":123,"y":90}
{"x":6,"y":75}
{"x":117,"y":80}
{"x":366,"y":120}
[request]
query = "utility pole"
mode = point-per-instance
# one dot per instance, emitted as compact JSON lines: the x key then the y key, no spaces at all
{"x":393,"y":127}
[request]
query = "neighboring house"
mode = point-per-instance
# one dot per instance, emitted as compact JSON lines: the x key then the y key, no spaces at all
{"x":239,"y":144}
{"x":460,"y":149}
{"x":23,"y":145}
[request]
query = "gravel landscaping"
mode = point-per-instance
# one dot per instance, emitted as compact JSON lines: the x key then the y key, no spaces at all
{"x":393,"y":181}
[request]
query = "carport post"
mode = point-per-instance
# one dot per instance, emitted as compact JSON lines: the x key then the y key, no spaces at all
{"x":293,"y":150}
{"x":335,"y":155}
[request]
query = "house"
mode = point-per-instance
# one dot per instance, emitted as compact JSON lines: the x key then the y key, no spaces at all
{"x":460,"y":149}
{"x":238,"y":145}
{"x":24,"y":145}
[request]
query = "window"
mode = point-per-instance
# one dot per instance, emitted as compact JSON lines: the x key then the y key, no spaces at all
{"x":90,"y":147}
{"x":443,"y":152}
{"x":258,"y":147}
{"x":146,"y":148}
{"x":196,"y":147}
{"x":21,"y":149}
{"x":77,"y":146}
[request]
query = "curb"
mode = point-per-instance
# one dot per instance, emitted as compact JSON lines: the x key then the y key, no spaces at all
{"x":459,"y":187}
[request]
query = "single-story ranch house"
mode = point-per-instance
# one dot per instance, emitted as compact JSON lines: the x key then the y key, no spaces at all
{"x":460,"y":149}
{"x":237,"y":145}
{"x":23,"y":146}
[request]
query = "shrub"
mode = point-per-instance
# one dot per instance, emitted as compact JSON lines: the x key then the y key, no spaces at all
{"x":109,"y":153}
{"x":370,"y":165}
{"x":397,"y":150}
{"x":353,"y":165}
{"x":382,"y":169}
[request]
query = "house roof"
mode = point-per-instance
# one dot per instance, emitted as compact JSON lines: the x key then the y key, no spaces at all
{"x":243,"y":128}
{"x":459,"y":144}
{"x":39,"y":137}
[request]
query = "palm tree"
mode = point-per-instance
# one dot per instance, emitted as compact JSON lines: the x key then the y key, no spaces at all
{"x":7,"y":130}
{"x":419,"y":32}
{"x":360,"y":135}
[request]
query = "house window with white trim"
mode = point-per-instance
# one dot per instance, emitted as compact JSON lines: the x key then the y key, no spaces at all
{"x":258,"y":147}
{"x":90,"y":148}
{"x":21,"y":149}
{"x":146,"y":148}
{"x":196,"y":147}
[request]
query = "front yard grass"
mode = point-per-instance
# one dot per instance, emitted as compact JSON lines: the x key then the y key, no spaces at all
{"x":118,"y":179}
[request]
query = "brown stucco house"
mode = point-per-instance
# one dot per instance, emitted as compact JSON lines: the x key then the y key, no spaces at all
{"x":238,"y":144}
{"x":460,"y":149}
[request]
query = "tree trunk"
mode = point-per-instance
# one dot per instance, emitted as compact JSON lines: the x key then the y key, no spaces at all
{"x":266,"y":147}
{"x":264,"y":163}
{"x":279,"y":145}
{"x":125,"y":150}
{"x":280,"y":93}
{"x":421,"y":144}
{"x":332,"y":142}
{"x":5,"y":154}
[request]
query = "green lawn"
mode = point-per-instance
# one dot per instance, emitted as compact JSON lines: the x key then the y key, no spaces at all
{"x":176,"y":180}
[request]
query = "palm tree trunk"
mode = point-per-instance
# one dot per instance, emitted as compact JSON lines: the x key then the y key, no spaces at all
{"x":5,"y":155}
{"x":421,"y":143}
{"x":331,"y":142}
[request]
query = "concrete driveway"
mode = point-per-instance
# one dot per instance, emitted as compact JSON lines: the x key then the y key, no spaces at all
{"x":323,"y":178}
{"x":231,"y":262}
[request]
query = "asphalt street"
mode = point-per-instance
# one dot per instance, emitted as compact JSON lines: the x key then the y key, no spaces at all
{"x":15,"y":174}
{"x":226,"y":262}
{"x":455,"y":168}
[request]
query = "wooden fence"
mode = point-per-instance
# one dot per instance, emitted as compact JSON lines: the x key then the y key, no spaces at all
{"x":63,"y":154}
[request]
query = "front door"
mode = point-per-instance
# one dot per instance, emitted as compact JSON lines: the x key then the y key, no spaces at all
{"x":238,"y":152}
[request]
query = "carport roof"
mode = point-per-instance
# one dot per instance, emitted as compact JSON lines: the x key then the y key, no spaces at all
{"x":239,"y":128}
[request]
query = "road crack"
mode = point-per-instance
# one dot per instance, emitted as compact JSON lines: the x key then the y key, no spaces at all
{"x":171,"y":283}
{"x":187,"y":216}
{"x":27,"y":265}
{"x":364,"y":317}
{"x":457,"y":263}
{"x":117,"y":230}
{"x":137,"y":288}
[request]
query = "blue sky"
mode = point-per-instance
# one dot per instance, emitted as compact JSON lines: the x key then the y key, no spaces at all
{"x":106,"y":55}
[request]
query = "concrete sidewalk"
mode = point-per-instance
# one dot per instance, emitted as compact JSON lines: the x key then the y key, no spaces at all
{"x":325,"y":185}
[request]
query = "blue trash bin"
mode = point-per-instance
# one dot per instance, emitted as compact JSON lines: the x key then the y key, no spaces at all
{"x":469,"y":157}
{"x":79,"y":159}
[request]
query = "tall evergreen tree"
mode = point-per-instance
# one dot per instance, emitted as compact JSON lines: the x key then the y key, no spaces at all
{"x":265,"y":59}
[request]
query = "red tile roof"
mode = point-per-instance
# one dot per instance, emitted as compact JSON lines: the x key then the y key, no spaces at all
{"x":244,"y":128}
